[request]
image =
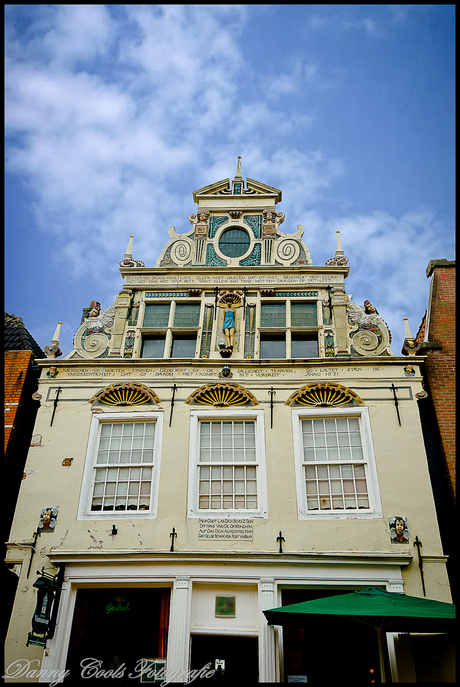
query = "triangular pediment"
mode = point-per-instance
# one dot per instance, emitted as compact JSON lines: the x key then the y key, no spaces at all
{"x":224,"y":188}
{"x":261,"y":189}
{"x":214,"y":189}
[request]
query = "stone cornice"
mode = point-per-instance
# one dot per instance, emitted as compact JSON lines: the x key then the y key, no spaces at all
{"x":240,"y":363}
{"x":244,"y":557}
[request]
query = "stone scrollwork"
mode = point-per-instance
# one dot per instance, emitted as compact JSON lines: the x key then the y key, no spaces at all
{"x":181,"y":252}
{"x":178,"y":251}
{"x":287,"y":251}
{"x":369,"y":333}
{"x":92,"y":338}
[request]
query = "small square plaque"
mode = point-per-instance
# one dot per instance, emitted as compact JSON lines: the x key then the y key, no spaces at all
{"x":225,"y":606}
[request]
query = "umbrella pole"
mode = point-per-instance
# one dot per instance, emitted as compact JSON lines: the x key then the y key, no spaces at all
{"x":381,"y":656}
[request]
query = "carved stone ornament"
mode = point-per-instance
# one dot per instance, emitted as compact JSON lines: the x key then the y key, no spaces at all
{"x":221,"y":395}
{"x":337,"y":261}
{"x":47,"y":521}
{"x":410,"y":347}
{"x":52,"y":351}
{"x":399,"y":533}
{"x":324,"y":394}
{"x":369,"y":333}
{"x":92,"y":338}
{"x":125,"y":394}
{"x":129,"y":262}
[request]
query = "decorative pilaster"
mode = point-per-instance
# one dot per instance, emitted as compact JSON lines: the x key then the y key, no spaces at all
{"x":179,"y":629}
{"x":267,"y":633}
{"x":339,"y":302}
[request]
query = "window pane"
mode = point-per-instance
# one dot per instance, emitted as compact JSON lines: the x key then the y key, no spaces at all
{"x":153,"y":347}
{"x":156,"y":315}
{"x":234,"y":243}
{"x":337,"y":486}
{"x":183,"y":346}
{"x":234,"y":486}
{"x":303,"y":346}
{"x":187,"y":315}
{"x":273,"y":315}
{"x":303,"y":315}
{"x":121,"y":481}
{"x":272,"y":346}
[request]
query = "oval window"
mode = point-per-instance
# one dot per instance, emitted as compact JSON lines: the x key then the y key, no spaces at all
{"x":234,"y":243}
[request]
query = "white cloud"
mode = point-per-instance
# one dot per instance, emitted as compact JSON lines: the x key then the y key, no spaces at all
{"x":387,"y":258}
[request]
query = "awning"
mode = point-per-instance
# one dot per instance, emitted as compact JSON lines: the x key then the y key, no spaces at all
{"x":382,"y":610}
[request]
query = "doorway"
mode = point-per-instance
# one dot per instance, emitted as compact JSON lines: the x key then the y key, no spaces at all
{"x":117,"y":627}
{"x":328,"y":650}
{"x":236,"y":658}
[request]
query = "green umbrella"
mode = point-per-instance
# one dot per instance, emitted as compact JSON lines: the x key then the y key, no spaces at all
{"x":385,"y":611}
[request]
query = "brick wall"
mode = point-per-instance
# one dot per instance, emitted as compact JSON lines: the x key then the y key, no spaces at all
{"x":16,"y":370}
{"x":440,"y":364}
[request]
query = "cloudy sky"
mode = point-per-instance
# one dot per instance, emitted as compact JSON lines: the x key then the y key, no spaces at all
{"x":115,"y":114}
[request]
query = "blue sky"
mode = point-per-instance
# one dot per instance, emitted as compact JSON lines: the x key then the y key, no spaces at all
{"x":115,"y":114}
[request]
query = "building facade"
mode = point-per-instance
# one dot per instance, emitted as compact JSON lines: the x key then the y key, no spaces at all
{"x":234,"y":433}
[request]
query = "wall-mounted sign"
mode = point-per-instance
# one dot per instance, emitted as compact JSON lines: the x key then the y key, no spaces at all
{"x":221,"y":528}
{"x":225,"y":606}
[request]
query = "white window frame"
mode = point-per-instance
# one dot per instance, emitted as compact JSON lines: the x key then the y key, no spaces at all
{"x":192,"y":498}
{"x":362,"y":413}
{"x":84,"y":507}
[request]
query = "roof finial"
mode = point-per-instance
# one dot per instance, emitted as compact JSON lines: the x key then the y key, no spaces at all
{"x":54,"y":351}
{"x":407,"y":332}
{"x":339,"y":250}
{"x":238,"y":168}
{"x":129,"y":250}
{"x":55,"y":339}
{"x":410,"y":345}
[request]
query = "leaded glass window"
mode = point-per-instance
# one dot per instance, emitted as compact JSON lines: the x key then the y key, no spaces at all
{"x":187,"y":315}
{"x":156,"y":315}
{"x":273,"y":315}
{"x":303,"y":315}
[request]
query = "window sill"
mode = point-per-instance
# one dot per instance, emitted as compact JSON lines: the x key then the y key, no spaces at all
{"x":226,"y":515}
{"x":334,"y":515}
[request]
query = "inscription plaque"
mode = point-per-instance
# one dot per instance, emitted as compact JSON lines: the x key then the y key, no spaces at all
{"x":221,"y":528}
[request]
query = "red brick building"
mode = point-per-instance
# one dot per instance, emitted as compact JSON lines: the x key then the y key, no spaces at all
{"x":20,"y":383}
{"x":436,"y":341}
{"x":437,"y":338}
